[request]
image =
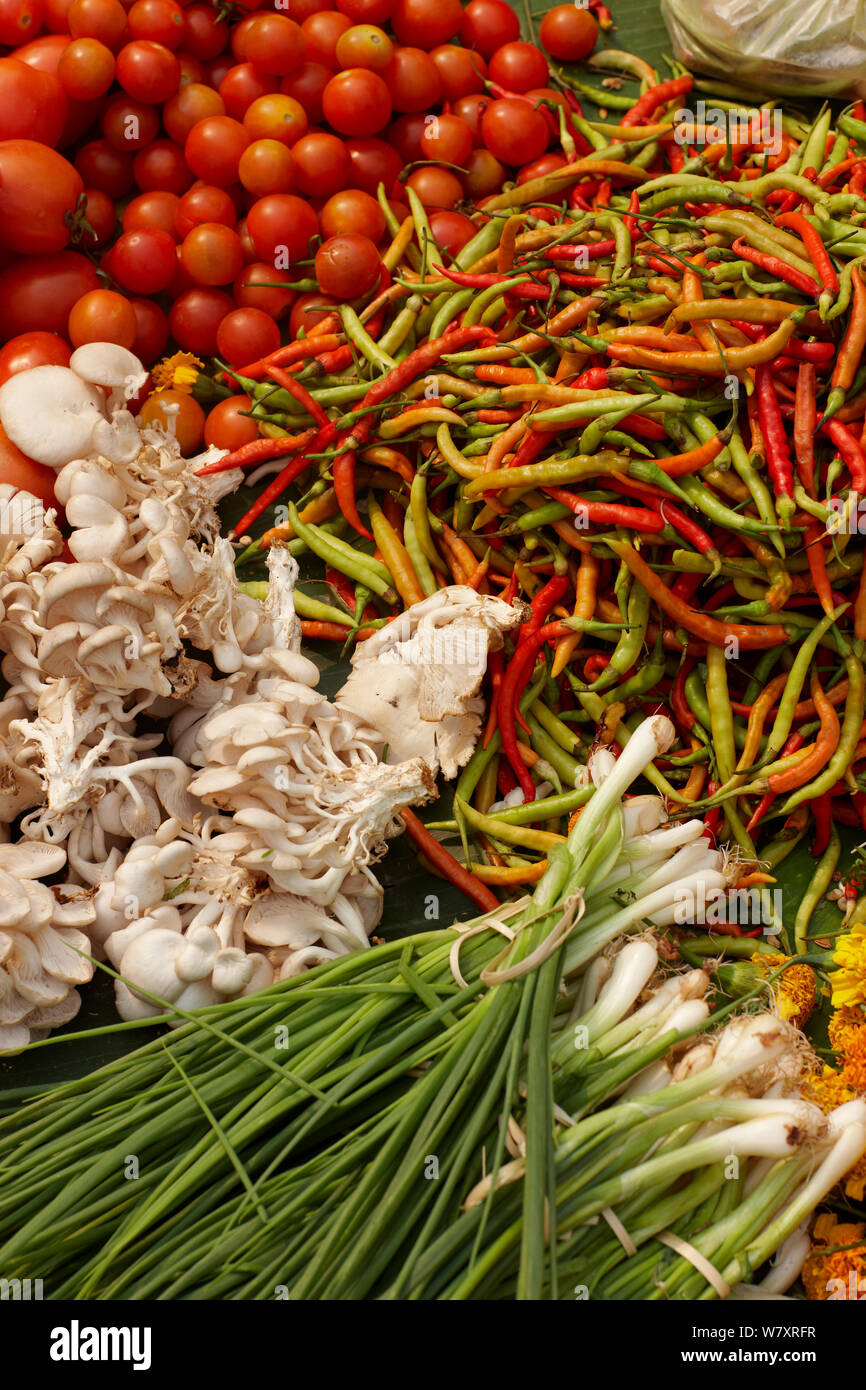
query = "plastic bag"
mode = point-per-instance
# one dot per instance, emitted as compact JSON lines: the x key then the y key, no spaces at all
{"x":799,"y":47}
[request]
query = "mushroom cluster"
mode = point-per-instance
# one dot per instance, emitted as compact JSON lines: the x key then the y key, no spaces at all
{"x":162,"y":731}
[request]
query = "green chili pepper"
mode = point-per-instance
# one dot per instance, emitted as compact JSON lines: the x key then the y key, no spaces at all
{"x":778,"y":735}
{"x":818,"y":885}
{"x":849,"y":735}
{"x":343,"y":557}
{"x":358,"y":335}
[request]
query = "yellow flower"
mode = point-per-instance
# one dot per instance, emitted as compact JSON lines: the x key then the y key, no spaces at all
{"x":847,"y":1029}
{"x":849,"y":980}
{"x":795,"y":990}
{"x":829,"y":1276}
{"x":178,"y":372}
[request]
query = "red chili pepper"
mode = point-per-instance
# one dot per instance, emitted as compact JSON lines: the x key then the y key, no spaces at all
{"x":494,"y":668}
{"x":679,"y":704}
{"x":299,"y":392}
{"x":818,"y":352}
{"x":608,"y":513}
{"x":322,"y":340}
{"x":594,"y":665}
{"x":822,"y":813}
{"x":795,"y":742}
{"x":533,"y":443}
{"x":775,"y":439}
{"x":779,"y":269}
{"x":438,"y":856}
{"x":713,"y":818}
{"x":815,"y":247}
{"x":590,"y":251}
{"x":258,"y":451}
{"x":851,"y":451}
{"x":669,"y":514}
{"x":320,"y":440}
{"x":532,"y":637}
{"x":656,"y":97}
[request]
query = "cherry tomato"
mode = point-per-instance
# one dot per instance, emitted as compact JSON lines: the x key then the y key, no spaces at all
{"x":55,"y":16}
{"x":227,"y":427}
{"x":426,"y":23}
{"x":86,"y":69}
{"x":250,"y":253}
{"x":451,"y":229}
{"x":322,"y":164}
{"x":373,"y":162}
{"x":242,"y":85}
{"x":352,"y":211}
{"x":446,"y":139}
{"x":245,"y":335}
{"x":18,"y":470}
{"x":470,"y":109}
{"x":321,"y":32}
{"x":20,"y":20}
{"x":405,"y":135}
{"x":255,"y":288}
{"x":178,"y":414}
{"x":214,"y":147}
{"x":195,"y":317}
{"x":100,"y":216}
{"x":267,"y":167}
{"x":568,"y":33}
{"x":97,"y":19}
{"x":102,"y":316}
{"x":364,"y":46}
{"x":307,"y":85}
{"x":483,"y":175}
{"x":148,"y":71}
{"x":366,"y":11}
{"x":436,"y":187}
{"x":33,"y":350}
{"x":513,"y":131}
{"x":151,"y":331}
{"x":275,"y":43}
{"x":129,"y":125}
{"x":309,"y":309}
{"x":460,"y":70}
{"x":38,"y":188}
{"x":487,"y":25}
{"x":33,"y":103}
{"x":105,"y":168}
{"x":276,"y":117}
{"x":299,"y":10}
{"x":193,"y":103}
{"x":154,"y":211}
{"x":537,"y":168}
{"x":143,"y":261}
{"x":212,"y":254}
{"x":191,"y":70}
{"x":159,"y":20}
{"x":162,"y":165}
{"x":206,"y":32}
{"x":239,"y":33}
{"x":281,"y":227}
{"x":37,"y":292}
{"x":357,"y":102}
{"x":519,"y":66}
{"x":413,"y":81}
{"x":347,"y":266}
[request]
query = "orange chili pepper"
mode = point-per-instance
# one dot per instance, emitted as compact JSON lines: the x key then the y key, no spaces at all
{"x":816,"y":537}
{"x":584,"y":607}
{"x":445,"y":863}
{"x":736,"y":359}
{"x":818,"y":754}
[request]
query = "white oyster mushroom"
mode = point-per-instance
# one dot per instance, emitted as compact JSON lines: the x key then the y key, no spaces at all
{"x":50,"y":413}
{"x":111,"y":366}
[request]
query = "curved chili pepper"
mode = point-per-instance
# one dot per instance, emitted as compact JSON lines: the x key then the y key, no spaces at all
{"x":815,"y":247}
{"x":851,"y":452}
{"x":437,"y":855}
{"x":656,"y":97}
{"x":779,"y":269}
{"x":775,"y":439}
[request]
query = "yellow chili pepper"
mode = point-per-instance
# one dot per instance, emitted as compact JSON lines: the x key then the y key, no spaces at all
{"x":584,"y":607}
{"x":395,"y":555}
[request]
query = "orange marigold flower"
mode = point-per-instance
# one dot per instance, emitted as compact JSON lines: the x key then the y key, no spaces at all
{"x":839,"y":1274}
{"x":178,"y":372}
{"x":795,"y":990}
{"x":848,"y":980}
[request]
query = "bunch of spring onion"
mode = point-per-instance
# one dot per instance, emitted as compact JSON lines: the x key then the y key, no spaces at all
{"x":322,"y":1135}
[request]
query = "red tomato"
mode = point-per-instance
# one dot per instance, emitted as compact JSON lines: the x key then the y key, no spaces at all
{"x":322,"y":164}
{"x":568,"y":32}
{"x":255,"y":288}
{"x":151,"y":330}
{"x":460,"y":70}
{"x":143,"y":261}
{"x":437,"y":188}
{"x":321,"y":34}
{"x":275,"y":43}
{"x":413,"y":81}
{"x":451,"y":229}
{"x":364,"y":46}
{"x":352,"y":211}
{"x":195,"y":317}
{"x":129,"y":125}
{"x":206,"y":32}
{"x":148,"y":71}
{"x":243,"y":231}
{"x":347,"y":266}
{"x":227,"y":427}
{"x":483,"y":175}
{"x":86,"y":69}
{"x":307,"y":85}
{"x":366,"y":11}
{"x":214,"y":147}
{"x":405,"y":135}
{"x":33,"y":350}
{"x":513,"y":131}
{"x":105,"y":168}
{"x":20,"y":20}
{"x":159,"y":20}
{"x":96,"y":19}
{"x":101,"y":316}
{"x":242,"y":85}
{"x":239,"y":37}
{"x":162,"y":166}
{"x":537,"y":168}
{"x":55,"y":17}
{"x":100,"y":216}
{"x":470,"y":109}
{"x":38,"y":187}
{"x":191,"y":70}
{"x":204,"y":202}
{"x":33,"y":103}
{"x":154,"y":211}
{"x":186,"y":421}
{"x":20,"y":471}
{"x":39,"y":291}
{"x":426,"y":23}
{"x":193,"y":103}
{"x":373,"y":162}
{"x":277,"y":117}
{"x":267,"y":167}
{"x":212,"y":254}
{"x":308,"y":311}
{"x":245,"y":335}
{"x":299,"y":10}
{"x":487,"y":25}
{"x":519,"y":66}
{"x":446,"y":139}
{"x":281,"y":227}
{"x":358,"y":102}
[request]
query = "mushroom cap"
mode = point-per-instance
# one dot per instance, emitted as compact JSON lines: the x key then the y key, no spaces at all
{"x":50,"y":413}
{"x":106,"y":364}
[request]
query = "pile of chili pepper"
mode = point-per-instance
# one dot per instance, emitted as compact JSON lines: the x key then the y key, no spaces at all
{"x":636,"y":400}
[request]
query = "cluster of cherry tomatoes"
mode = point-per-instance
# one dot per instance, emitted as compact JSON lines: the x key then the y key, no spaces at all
{"x":170,"y":171}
